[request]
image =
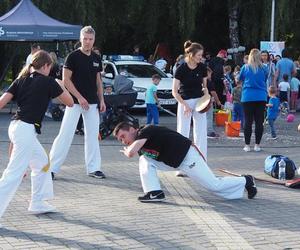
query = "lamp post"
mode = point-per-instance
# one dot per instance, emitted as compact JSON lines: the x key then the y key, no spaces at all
{"x":272,"y":21}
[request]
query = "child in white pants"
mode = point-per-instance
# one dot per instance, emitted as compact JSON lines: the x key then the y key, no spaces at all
{"x":32,"y":91}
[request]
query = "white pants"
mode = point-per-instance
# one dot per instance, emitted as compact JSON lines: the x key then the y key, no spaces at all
{"x":199,"y":125}
{"x":62,"y":142}
{"x":196,"y":168}
{"x":27,"y":151}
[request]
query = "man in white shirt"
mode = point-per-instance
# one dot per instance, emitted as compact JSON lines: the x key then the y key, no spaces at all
{"x":34,"y":48}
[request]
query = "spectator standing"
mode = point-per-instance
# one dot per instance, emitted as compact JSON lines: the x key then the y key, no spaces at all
{"x":254,"y":96}
{"x":211,"y":133}
{"x":33,"y":48}
{"x":273,"y":110}
{"x":237,"y":112}
{"x":228,"y":83}
{"x":265,"y":57}
{"x":81,"y":75}
{"x":216,"y":65}
{"x":284,"y":88}
{"x":284,"y":66}
{"x":295,"y":84}
{"x":152,"y":101}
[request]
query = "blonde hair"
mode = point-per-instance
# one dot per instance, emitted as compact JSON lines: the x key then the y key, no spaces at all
{"x":272,"y":90}
{"x":254,"y":60}
{"x":39,"y":59}
{"x":53,"y":57}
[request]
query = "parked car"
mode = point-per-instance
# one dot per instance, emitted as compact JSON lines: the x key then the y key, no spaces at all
{"x":140,"y":72}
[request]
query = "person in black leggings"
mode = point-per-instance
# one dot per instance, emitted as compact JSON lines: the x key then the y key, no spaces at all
{"x":254,"y":111}
{"x":253,"y":76}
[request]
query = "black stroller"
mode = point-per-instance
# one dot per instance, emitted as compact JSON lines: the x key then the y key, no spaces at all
{"x":117,"y":105}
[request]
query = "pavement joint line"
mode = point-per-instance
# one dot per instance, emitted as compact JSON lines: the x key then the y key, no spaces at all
{"x":230,"y":239}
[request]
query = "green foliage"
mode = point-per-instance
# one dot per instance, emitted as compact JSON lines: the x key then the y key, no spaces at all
{"x":121,"y":24}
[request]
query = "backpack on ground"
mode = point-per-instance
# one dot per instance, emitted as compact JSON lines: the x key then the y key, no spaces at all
{"x":272,"y":166}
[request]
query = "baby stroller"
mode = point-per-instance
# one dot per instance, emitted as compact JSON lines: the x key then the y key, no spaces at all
{"x":117,"y":105}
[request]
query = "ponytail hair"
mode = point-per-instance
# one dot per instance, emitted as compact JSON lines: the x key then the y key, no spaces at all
{"x":187,"y":44}
{"x":191,"y":49}
{"x":39,"y":59}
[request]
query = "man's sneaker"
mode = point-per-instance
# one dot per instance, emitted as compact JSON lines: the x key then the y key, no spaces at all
{"x":213,"y":135}
{"x":257,"y":148}
{"x":274,"y":138}
{"x":247,"y":148}
{"x":97,"y":174}
{"x":53,"y":176}
{"x":250,"y":186}
{"x":41,"y":207}
{"x":153,"y":196}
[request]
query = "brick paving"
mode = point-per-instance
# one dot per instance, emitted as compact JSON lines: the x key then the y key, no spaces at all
{"x":105,"y":214}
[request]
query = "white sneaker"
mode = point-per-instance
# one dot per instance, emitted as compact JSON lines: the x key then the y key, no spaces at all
{"x":247,"y":148}
{"x":180,"y":174}
{"x":41,"y":207}
{"x":48,"y":114}
{"x":257,"y":148}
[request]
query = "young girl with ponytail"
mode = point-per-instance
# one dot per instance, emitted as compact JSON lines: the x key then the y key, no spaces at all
{"x":32,"y":91}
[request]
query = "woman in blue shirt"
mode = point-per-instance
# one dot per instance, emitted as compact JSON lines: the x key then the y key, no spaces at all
{"x":254,"y":96}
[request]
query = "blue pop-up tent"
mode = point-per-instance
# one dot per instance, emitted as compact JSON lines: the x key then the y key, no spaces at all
{"x":25,"y":22}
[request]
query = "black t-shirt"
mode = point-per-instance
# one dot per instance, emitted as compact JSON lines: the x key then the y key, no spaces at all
{"x":164,"y":145}
{"x":191,"y":80}
{"x":84,"y":74}
{"x":216,"y":65}
{"x":32,"y":95}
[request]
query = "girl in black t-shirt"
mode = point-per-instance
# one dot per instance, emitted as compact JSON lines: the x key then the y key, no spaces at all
{"x":32,"y":91}
{"x":188,"y":84}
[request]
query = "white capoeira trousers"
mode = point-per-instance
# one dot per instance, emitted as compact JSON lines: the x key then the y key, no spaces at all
{"x":199,"y":125}
{"x":27,"y":151}
{"x":196,"y":168}
{"x":62,"y":142}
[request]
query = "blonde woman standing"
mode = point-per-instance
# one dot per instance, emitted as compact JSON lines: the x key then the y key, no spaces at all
{"x":253,"y":76}
{"x":189,"y":81}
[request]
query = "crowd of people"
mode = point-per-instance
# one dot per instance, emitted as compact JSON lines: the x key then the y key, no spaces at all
{"x":159,"y":148}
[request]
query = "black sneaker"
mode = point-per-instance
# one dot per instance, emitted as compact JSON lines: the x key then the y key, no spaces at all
{"x":97,"y":174}
{"x":79,"y":132}
{"x":250,"y":186}
{"x":53,"y":176}
{"x":213,"y":135}
{"x":153,"y":196}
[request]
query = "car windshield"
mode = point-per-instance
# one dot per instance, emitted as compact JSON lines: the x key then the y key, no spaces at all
{"x":139,"y":71}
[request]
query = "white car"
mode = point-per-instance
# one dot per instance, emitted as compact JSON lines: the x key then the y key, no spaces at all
{"x":140,"y":72}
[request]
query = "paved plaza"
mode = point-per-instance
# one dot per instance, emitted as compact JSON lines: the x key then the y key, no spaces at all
{"x":105,"y":214}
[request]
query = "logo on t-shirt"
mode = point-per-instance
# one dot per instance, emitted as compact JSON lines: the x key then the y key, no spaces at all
{"x":153,"y":154}
{"x":95,"y":64}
